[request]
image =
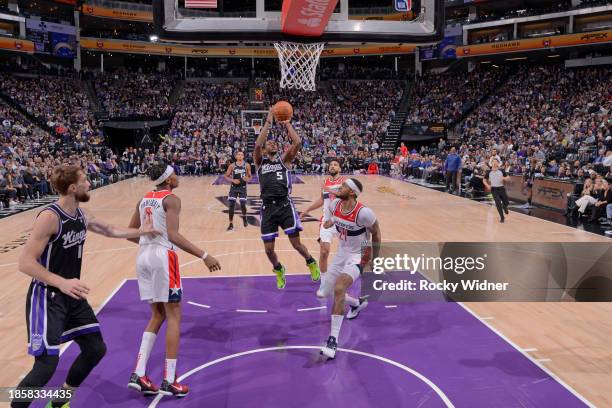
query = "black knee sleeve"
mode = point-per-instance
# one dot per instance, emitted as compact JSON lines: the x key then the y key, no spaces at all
{"x":92,"y":350}
{"x":243,"y":207}
{"x":41,"y":373}
{"x":39,"y":376}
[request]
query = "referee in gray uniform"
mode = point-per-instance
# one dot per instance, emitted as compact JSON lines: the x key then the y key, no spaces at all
{"x":495,"y":181}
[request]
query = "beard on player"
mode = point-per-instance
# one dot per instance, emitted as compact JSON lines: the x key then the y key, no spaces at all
{"x":82,"y":196}
{"x":271,"y":147}
{"x":334,"y":168}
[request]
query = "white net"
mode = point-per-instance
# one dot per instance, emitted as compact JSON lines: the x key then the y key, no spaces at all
{"x":299,"y":64}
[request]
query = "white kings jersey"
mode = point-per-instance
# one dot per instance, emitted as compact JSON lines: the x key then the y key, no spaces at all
{"x":352,"y":227}
{"x":329,"y":196}
{"x":152,"y":204}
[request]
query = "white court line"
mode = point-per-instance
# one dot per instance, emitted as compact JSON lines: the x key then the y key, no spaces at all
{"x":199,"y":304}
{"x":312,"y":308}
{"x":528,"y":356}
{"x":487,"y":318}
{"x":543,"y":360}
{"x":251,"y":311}
{"x":528,"y":350}
{"x":390,"y":306}
{"x":113,"y":293}
{"x":415,"y":373}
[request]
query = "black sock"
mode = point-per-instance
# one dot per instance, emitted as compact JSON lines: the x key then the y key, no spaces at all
{"x":278,"y":266}
{"x":310,"y":260}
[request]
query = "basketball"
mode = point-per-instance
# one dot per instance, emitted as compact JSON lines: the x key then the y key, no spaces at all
{"x":282,"y":111}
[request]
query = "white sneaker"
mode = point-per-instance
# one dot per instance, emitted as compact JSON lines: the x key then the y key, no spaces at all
{"x":322,"y":291}
{"x":329,"y":349}
{"x":354,"y":311}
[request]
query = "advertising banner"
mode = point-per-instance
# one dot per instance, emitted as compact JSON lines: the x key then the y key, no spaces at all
{"x":231,"y":52}
{"x":11,"y":44}
{"x":119,"y":14}
{"x":568,"y":40}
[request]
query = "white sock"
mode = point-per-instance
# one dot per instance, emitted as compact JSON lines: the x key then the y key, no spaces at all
{"x":336,"y":324}
{"x":170,"y":370}
{"x":146,"y":345}
{"x":351,"y":301}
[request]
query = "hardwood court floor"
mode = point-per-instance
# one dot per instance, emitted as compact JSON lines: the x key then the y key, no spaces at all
{"x":573,"y":339}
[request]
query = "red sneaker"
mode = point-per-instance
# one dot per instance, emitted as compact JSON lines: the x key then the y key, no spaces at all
{"x":142,"y":384}
{"x":176,"y":389}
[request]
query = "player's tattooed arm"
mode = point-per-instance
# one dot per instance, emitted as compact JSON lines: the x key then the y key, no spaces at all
{"x":261,"y":139}
{"x":113,"y":231}
{"x":45,"y":226}
{"x":296,"y":144}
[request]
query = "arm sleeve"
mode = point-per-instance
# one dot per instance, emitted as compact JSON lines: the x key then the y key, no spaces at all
{"x":366,"y":217}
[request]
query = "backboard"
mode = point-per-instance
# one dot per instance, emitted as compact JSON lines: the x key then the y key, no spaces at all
{"x":259,"y":21}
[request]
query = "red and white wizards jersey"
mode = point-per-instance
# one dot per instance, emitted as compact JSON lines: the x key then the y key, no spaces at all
{"x":152,"y":204}
{"x":352,"y":226}
{"x":329,"y":196}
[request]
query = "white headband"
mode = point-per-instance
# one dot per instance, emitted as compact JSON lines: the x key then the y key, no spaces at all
{"x":353,"y":186}
{"x":164,"y":177}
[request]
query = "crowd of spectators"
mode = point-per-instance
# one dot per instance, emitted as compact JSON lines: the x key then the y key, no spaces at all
{"x":206,"y":129}
{"x":126,"y":94}
{"x":539,"y":121}
{"x":546,"y":121}
{"x":445,"y":98}
{"x":347,"y":119}
{"x":57,"y":103}
{"x":28,"y":154}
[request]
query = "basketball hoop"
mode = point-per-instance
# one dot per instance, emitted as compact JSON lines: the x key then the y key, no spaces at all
{"x":298,"y":64}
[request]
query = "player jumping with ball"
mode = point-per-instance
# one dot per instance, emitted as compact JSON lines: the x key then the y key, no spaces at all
{"x":277,"y":209}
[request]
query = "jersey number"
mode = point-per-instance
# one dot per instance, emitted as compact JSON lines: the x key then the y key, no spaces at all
{"x":342,"y":233}
{"x":279,"y":175}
